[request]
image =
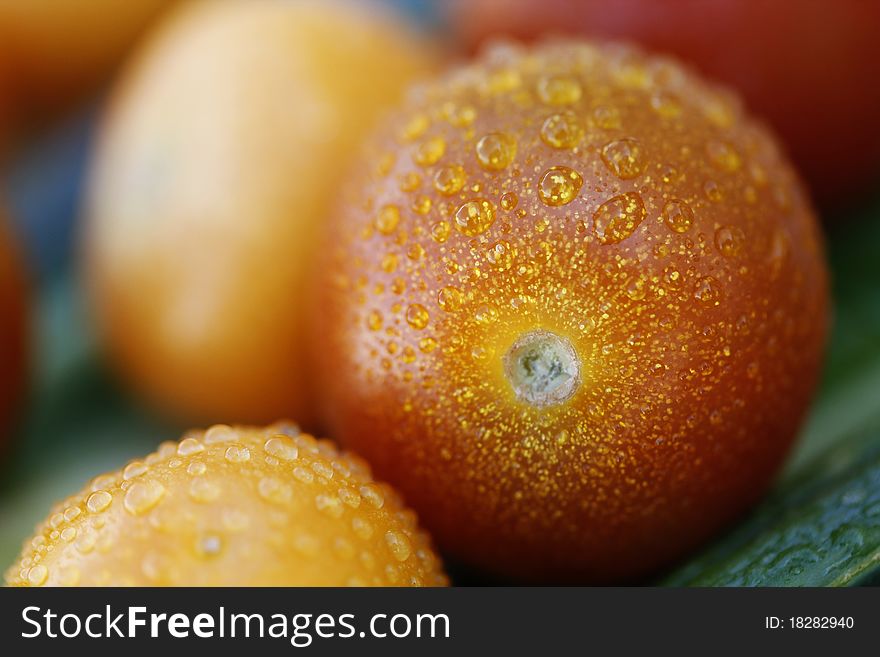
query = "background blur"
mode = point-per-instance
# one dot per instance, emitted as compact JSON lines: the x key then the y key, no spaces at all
{"x":79,"y":421}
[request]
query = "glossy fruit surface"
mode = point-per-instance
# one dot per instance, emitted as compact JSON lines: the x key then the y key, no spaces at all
{"x":232,"y":507}
{"x":575,"y":310}
{"x":56,"y":50}
{"x":12,"y":328}
{"x":220,"y":154}
{"x":805,"y":65}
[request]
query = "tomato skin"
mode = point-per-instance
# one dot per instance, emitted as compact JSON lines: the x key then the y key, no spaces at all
{"x":13,"y":352}
{"x":619,"y":203}
{"x":218,"y":158}
{"x":232,"y":506}
{"x":804,"y":66}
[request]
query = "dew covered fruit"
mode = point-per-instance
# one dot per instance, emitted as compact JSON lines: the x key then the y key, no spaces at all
{"x":220,"y":153}
{"x":574,"y":308}
{"x":807,"y":66}
{"x":232,"y":507}
{"x":12,"y":328}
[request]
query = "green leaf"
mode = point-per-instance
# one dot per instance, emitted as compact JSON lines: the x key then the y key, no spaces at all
{"x":821,"y":525}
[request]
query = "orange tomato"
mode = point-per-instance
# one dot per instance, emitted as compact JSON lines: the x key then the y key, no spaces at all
{"x":806,"y":66}
{"x":12,"y":328}
{"x":55,"y":50}
{"x":574,"y":309}
{"x":220,"y":154}
{"x":232,"y":507}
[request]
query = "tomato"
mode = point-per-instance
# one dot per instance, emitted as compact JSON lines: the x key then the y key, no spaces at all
{"x":806,"y":66}
{"x":57,"y":50}
{"x":232,"y":507}
{"x":574,"y":307}
{"x":218,"y":158}
{"x":12,"y":328}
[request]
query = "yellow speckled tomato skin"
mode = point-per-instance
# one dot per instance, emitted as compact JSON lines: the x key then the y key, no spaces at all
{"x":616,"y":201}
{"x":218,"y":159}
{"x":232,"y":507}
{"x":12,"y":328}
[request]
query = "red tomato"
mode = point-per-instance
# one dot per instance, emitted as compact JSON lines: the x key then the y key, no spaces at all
{"x":807,"y":66}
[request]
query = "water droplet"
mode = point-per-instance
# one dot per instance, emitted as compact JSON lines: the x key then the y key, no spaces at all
{"x":707,"y":290}
{"x":556,"y":90}
{"x":723,"y":156}
{"x":303,"y":475}
{"x":98,"y":501}
{"x":204,"y":490}
{"x":624,"y":158}
{"x":460,"y":116}
{"x":208,"y":546}
{"x":562,"y":131}
{"x":274,"y":490}
{"x":450,"y":180}
{"x":440,"y":231}
{"x":618,"y":218}
{"x":607,"y":117}
{"x":559,"y":186}
{"x":509,"y":201}
{"x":220,"y":433}
{"x":38,"y":575}
{"x":678,"y":216}
{"x":449,"y":298}
{"x":637,"y":288}
{"x":422,"y":204}
{"x":500,"y":255}
{"x":417,"y":316}
{"x":143,"y":496}
{"x":235,"y":520}
{"x":666,"y":105}
{"x":410,"y":181}
{"x":189,"y":446}
{"x":237,"y":454}
{"x":713,"y":191}
{"x":474,"y":217}
{"x":486,"y":314}
{"x":387,"y":219}
{"x":196,"y":468}
{"x":362,"y":528}
{"x":495,"y":151}
{"x":399,"y":545}
{"x":350,"y":498}
{"x":430,"y":151}
{"x":282,"y":447}
{"x":415,"y":252}
{"x":134,"y":469}
{"x":729,"y":240}
{"x":372,"y":494}
{"x":427,"y":345}
{"x":415,"y":127}
{"x":389,"y":263}
{"x":374,"y":320}
{"x":68,"y":534}
{"x":329,"y":505}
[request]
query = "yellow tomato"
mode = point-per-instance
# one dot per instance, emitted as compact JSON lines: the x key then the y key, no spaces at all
{"x":232,"y":507}
{"x":55,"y":49}
{"x":222,"y":150}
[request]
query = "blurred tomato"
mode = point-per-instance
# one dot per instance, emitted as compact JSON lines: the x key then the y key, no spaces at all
{"x":12,"y":327}
{"x":808,"y":66}
{"x":54,"y":50}
{"x":221,"y":152}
